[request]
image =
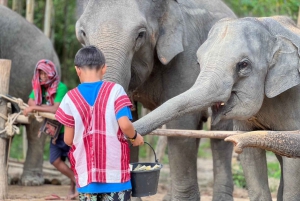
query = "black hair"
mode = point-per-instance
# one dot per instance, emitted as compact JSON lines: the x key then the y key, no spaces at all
{"x":89,"y":56}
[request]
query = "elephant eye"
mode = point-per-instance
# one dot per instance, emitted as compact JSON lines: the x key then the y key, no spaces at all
{"x":244,"y":68}
{"x":141,"y":34}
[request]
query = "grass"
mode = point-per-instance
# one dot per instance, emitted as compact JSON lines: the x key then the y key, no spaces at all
{"x":16,"y":150}
{"x":239,"y":179}
{"x":238,"y":176}
{"x":274,"y":170}
{"x":204,"y":149}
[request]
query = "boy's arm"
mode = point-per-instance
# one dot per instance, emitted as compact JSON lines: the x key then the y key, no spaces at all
{"x":60,"y":93}
{"x":31,"y":102}
{"x":69,"y":135}
{"x":42,"y":108}
{"x":128,"y":129}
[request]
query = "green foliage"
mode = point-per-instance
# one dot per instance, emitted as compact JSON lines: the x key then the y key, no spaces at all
{"x":204,"y":150}
{"x":238,"y":176}
{"x":264,"y":8}
{"x":63,"y":34}
{"x":274,"y":170}
{"x":16,"y":150}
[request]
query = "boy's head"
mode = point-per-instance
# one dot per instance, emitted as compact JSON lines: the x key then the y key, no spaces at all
{"x":89,"y":57}
{"x":89,"y":64}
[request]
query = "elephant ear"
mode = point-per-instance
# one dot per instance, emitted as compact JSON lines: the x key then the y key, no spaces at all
{"x":283,"y":72}
{"x":171,"y":38}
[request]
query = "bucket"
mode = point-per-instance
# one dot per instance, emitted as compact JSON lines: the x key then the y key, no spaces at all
{"x":144,"y":183}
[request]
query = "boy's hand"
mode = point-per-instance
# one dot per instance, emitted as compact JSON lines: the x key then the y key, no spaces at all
{"x":27,"y":110}
{"x":139,"y":140}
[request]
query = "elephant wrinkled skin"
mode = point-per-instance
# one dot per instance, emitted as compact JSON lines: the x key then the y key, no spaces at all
{"x":25,"y":45}
{"x":150,"y":49}
{"x":249,"y":73}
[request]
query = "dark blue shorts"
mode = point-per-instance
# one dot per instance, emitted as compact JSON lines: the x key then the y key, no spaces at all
{"x":58,"y":150}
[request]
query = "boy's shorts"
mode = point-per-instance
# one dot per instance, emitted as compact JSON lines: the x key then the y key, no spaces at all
{"x":117,"y":196}
{"x":58,"y":150}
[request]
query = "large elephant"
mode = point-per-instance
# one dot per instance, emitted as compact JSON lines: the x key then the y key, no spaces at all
{"x":150,"y":48}
{"x":24,"y":44}
{"x":249,"y":73}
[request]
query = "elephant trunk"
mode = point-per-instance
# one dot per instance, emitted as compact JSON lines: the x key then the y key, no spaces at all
{"x":284,"y":143}
{"x":117,"y":55}
{"x":118,"y":68}
{"x":196,"y":99}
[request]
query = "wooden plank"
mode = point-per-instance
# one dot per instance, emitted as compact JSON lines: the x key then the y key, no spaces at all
{"x":194,"y":133}
{"x":5,"y":66}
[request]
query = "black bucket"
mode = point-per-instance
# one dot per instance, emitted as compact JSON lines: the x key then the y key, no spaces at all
{"x":144,"y":183}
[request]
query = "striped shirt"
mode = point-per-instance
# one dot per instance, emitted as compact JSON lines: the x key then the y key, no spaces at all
{"x":100,"y":152}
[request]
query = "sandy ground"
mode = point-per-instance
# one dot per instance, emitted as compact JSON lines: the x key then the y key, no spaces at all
{"x":205,"y":180}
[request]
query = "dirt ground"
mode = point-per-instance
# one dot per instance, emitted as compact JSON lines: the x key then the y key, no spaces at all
{"x":205,"y":180}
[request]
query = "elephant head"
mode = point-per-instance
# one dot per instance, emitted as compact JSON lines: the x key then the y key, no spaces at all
{"x":132,"y":35}
{"x":242,"y":62}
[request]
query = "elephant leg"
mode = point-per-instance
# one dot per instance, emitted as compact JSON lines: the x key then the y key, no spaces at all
{"x":223,"y":184}
{"x":134,"y":151}
{"x":222,"y":156}
{"x":254,"y":165}
{"x":291,"y":178}
{"x":182,"y":154}
{"x":281,"y":183}
{"x":33,"y":167}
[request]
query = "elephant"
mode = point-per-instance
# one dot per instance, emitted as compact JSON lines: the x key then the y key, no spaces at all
{"x":24,"y":44}
{"x":150,"y":49}
{"x":283,"y":143}
{"x":249,"y":73}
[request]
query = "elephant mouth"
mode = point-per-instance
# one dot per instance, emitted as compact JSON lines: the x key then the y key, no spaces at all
{"x":221,"y":109}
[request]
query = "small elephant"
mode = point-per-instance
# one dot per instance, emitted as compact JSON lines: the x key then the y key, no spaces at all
{"x":24,"y":44}
{"x":249,"y":73}
{"x":150,"y":48}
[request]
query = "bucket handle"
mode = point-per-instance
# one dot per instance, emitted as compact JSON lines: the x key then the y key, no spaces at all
{"x":152,"y":150}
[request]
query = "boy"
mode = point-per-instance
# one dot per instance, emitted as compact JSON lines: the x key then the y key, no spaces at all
{"x":46,"y":96}
{"x":96,"y":116}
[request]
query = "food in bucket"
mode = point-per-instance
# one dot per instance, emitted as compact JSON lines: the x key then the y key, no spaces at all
{"x":145,"y":168}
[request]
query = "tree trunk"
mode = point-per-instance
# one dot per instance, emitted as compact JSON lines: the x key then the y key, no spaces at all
{"x":5,"y":66}
{"x":47,"y":22}
{"x":30,"y":10}
{"x":3,"y":2}
{"x":298,"y":24}
{"x":17,"y":6}
{"x":64,"y":58}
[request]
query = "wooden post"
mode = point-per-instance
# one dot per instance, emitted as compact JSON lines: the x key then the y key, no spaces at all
{"x":5,"y":66}
{"x":25,"y":142}
{"x":30,"y":10}
{"x":3,"y":2}
{"x":17,"y":6}
{"x":298,"y":24}
{"x":160,"y":146}
{"x":47,"y":22}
